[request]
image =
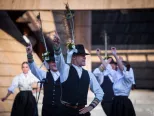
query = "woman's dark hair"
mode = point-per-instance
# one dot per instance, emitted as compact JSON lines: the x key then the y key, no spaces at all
{"x":107,"y":58}
{"x":112,"y":61}
{"x":127,"y":65}
{"x":25,"y":62}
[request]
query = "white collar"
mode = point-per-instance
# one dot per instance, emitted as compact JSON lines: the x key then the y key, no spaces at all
{"x":57,"y":72}
{"x":77,"y":67}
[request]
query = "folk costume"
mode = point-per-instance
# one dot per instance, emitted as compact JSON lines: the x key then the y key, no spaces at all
{"x":106,"y":83}
{"x":75,"y":82}
{"x":122,"y":105}
{"x":51,"y":87}
{"x":24,"y":103}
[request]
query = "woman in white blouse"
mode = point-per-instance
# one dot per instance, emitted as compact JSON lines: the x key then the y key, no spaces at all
{"x":123,"y":79}
{"x":24,"y":103}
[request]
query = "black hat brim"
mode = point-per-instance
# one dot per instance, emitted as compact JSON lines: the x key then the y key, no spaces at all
{"x":81,"y":54}
{"x":52,"y":59}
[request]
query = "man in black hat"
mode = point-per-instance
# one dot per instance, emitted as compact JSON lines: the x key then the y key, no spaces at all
{"x":52,"y":91}
{"x":75,"y":83}
{"x":106,"y":82}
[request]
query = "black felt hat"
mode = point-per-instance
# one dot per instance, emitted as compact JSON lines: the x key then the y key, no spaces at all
{"x":51,"y":58}
{"x":80,"y":50}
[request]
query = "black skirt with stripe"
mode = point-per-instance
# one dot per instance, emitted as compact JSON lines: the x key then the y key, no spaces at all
{"x":122,"y":106}
{"x":24,"y":104}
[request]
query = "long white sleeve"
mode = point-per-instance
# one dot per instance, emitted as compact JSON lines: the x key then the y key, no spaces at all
{"x":14,"y":84}
{"x":95,"y":87}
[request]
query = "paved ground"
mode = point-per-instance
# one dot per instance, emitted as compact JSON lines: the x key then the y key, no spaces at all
{"x":143,"y":101}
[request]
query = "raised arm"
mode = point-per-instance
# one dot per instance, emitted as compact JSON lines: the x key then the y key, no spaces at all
{"x":60,"y":62}
{"x":119,"y":62}
{"x":40,"y":74}
{"x":98,"y":52}
{"x":63,"y":68}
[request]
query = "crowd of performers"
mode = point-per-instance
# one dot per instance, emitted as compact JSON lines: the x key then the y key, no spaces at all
{"x":66,"y":89}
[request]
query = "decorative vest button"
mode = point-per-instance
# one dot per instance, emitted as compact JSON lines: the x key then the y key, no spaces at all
{"x":52,"y":91}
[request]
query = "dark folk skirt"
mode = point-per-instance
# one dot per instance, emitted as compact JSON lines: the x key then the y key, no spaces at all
{"x":122,"y":106}
{"x":24,"y":104}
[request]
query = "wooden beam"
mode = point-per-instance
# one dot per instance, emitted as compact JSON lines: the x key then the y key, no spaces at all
{"x":74,"y":4}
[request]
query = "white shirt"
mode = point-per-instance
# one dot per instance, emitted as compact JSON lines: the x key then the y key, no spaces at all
{"x":122,"y":81}
{"x":23,"y":82}
{"x":64,"y":72}
{"x":100,"y":75}
{"x":41,"y":74}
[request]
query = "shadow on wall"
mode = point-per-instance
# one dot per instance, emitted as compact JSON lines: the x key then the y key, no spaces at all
{"x":7,"y":25}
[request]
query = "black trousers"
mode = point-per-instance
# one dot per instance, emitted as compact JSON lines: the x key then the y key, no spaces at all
{"x":107,"y":107}
{"x":50,"y":110}
{"x":68,"y":111}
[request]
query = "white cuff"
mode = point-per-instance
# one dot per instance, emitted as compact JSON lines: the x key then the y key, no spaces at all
{"x":69,"y":55}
